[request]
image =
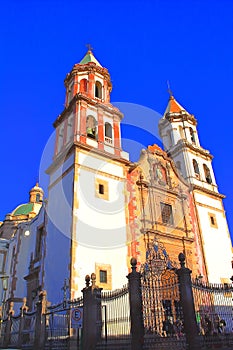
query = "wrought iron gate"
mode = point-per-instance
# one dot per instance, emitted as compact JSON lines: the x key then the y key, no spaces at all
{"x":162,"y":312}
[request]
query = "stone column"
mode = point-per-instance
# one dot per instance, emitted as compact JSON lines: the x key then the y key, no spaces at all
{"x":39,"y":340}
{"x":136,"y":315}
{"x":187,"y":303}
{"x":92,"y":322}
{"x":7,"y":334}
{"x":23,"y":309}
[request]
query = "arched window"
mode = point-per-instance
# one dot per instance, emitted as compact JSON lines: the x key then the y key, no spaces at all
{"x":83,"y":85}
{"x":196,"y":168}
{"x":169,"y":136}
{"x":70,"y":92}
{"x":207,"y":174}
{"x":91,"y":127}
{"x":60,"y":138}
{"x":181,"y":131}
{"x":37,"y":197}
{"x":98,"y":89}
{"x":69,"y":128}
{"x":108,"y":132}
{"x":192,"y":135}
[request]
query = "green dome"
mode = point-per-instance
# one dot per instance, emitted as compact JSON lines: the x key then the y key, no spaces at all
{"x":23,"y":209}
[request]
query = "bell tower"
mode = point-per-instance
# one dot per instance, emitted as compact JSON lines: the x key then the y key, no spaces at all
{"x":178,"y":130}
{"x":88,"y":117}
{"x":86,"y":206}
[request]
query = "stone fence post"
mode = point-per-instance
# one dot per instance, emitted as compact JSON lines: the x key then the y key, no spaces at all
{"x":187,"y":303}
{"x":23,"y":309}
{"x":7,"y":335}
{"x":41,"y":305}
{"x":136,"y":312}
{"x":92,"y":320}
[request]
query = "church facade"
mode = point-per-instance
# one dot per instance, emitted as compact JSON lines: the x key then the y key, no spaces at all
{"x":102,"y":209}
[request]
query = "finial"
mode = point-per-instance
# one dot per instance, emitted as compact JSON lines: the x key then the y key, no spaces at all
{"x":93,"y":280}
{"x":169,"y":89}
{"x":89,"y":47}
{"x":87,"y":280}
{"x":133,"y":263}
{"x":181,"y":258}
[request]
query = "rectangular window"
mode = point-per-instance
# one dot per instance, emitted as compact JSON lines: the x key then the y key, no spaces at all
{"x":213,"y":220}
{"x":39,"y":237}
{"x":103,"y":276}
{"x":2,"y":261}
{"x":101,"y":189}
{"x":166,"y":213}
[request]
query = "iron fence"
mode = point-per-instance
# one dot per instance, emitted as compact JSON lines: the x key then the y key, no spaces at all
{"x":213,"y":307}
{"x":115,"y":314}
{"x":58,"y":326}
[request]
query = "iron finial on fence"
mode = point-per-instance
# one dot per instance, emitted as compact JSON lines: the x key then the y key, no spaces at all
{"x":93,"y":280}
{"x":133,"y":263}
{"x":181,"y":258}
{"x":87,"y":280}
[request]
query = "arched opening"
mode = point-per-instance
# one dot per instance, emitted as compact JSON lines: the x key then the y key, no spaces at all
{"x":196,"y":168}
{"x":169,"y":137}
{"x":60,"y":139}
{"x":192,"y":135}
{"x":37,"y":197}
{"x":83,"y":85}
{"x":98,"y":89}
{"x":70,"y":92}
{"x":108,"y":132}
{"x":69,"y":128}
{"x":91,"y":127}
{"x":207,"y":174}
{"x":181,"y":131}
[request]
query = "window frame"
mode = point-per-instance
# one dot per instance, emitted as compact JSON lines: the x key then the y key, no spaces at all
{"x":165,"y":215}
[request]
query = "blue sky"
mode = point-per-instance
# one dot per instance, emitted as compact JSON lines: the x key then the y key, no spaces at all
{"x":142,"y":43}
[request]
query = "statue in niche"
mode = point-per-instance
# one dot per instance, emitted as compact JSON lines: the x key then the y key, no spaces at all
{"x":160,"y":174}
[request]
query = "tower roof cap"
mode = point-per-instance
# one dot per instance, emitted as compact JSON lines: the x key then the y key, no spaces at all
{"x":174,"y":106}
{"x":89,"y":57}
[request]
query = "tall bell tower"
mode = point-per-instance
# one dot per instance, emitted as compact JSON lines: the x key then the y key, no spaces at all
{"x":86,"y":206}
{"x":178,"y":130}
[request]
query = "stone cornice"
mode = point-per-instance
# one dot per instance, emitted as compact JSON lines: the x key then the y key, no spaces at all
{"x":81,"y":97}
{"x":181,"y":144}
{"x":212,"y":193}
{"x":90,"y":67}
{"x":181,"y":116}
{"x":60,"y":159}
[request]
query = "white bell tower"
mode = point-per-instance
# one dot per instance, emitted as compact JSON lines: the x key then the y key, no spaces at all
{"x":178,"y":130}
{"x":86,"y":208}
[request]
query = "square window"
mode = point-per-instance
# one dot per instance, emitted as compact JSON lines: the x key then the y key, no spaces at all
{"x":103,"y":276}
{"x":166,"y":212}
{"x":101,"y":189}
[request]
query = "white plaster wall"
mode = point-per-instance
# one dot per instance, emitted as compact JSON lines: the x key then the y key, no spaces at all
{"x":86,"y":259}
{"x":217,"y":245}
{"x":58,"y":172}
{"x":88,"y":160}
{"x":58,"y":241}
{"x":101,"y":223}
{"x":26,"y":245}
{"x":206,"y":200}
